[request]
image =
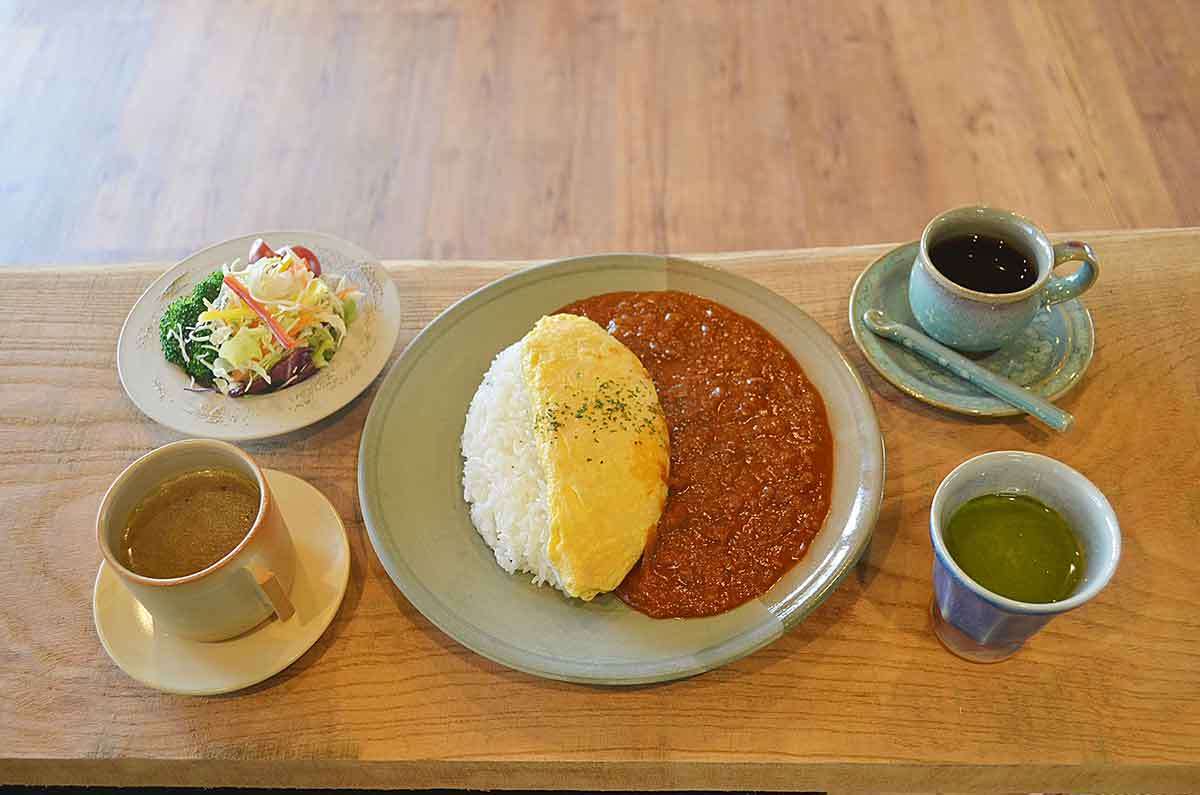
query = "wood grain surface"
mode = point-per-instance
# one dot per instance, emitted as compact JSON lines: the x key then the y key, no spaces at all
{"x":859,"y":697}
{"x":136,"y":131}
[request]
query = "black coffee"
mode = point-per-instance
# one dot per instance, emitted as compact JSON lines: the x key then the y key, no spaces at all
{"x":984,"y":264}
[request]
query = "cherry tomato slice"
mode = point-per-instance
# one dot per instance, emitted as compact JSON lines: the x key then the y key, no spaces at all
{"x":306,"y":254}
{"x":260,"y":249}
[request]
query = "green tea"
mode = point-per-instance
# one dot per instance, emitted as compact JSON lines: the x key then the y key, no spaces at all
{"x":1015,"y":546}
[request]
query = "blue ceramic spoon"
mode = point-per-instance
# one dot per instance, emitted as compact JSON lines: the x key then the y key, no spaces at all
{"x":964,"y":368}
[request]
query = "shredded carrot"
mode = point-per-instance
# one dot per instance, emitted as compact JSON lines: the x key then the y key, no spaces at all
{"x":302,"y":322}
{"x":277,"y":330}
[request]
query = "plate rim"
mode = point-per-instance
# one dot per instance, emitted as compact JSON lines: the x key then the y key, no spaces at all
{"x":870,"y":496}
{"x":217,"y":432}
{"x":859,"y":332}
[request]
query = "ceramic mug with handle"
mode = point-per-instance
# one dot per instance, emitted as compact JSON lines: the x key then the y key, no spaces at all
{"x":236,"y":593}
{"x":970,"y":320}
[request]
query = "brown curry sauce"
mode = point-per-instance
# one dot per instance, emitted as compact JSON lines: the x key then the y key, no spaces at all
{"x":751,"y":452}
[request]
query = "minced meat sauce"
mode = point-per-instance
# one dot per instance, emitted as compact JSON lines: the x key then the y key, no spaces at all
{"x":751,"y":452}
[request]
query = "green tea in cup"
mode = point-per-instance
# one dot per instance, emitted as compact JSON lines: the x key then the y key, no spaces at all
{"x":1018,"y":538}
{"x":1015,"y":546}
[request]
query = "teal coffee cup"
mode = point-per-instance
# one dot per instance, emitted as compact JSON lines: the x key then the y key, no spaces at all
{"x":973,"y":319}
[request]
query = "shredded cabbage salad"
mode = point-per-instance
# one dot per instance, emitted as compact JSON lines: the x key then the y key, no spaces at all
{"x":275,"y":321}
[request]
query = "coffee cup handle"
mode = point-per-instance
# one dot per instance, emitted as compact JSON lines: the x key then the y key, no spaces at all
{"x":1068,"y":287}
{"x":271,"y":590}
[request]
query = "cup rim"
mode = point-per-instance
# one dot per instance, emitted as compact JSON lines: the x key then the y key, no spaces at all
{"x":1084,"y":595}
{"x":264,"y":505}
{"x":975,"y":295}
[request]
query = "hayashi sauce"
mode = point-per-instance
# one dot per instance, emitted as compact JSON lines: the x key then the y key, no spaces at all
{"x":751,"y":452}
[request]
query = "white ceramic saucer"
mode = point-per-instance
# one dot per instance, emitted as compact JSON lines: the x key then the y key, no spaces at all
{"x":159,"y":388}
{"x":189,"y":667}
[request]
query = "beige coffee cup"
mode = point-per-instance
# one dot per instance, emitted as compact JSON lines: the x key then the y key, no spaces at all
{"x":238,"y":592}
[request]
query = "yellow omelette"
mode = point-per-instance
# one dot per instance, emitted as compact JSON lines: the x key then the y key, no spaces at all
{"x":603,"y":445}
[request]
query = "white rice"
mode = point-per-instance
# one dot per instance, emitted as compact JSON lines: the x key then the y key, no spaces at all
{"x":503,"y":480}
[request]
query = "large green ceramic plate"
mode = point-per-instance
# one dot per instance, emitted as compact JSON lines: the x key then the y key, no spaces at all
{"x":410,"y":487}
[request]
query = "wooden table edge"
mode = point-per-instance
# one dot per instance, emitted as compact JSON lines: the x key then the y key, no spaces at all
{"x":517,"y":262}
{"x":776,"y":776}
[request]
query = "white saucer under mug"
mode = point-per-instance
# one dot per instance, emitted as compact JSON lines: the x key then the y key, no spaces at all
{"x":197,"y":668}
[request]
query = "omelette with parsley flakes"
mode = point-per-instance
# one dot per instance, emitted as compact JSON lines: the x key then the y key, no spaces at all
{"x":566,"y":457}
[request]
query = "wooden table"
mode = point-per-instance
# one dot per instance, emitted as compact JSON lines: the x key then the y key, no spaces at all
{"x":859,"y":697}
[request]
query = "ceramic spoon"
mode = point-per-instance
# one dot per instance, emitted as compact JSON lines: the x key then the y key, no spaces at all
{"x":928,"y":348}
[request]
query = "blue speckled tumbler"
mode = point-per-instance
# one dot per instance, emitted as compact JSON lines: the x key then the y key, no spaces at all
{"x":983,"y":626}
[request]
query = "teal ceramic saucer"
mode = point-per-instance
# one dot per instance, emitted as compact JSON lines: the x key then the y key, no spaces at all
{"x":1049,"y":358}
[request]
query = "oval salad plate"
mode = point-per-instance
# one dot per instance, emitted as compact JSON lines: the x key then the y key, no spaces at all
{"x":161,"y":390}
{"x":410,"y":487}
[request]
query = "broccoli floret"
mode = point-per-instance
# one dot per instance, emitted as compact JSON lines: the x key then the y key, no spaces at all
{"x":210,"y":287}
{"x":171,"y":320}
{"x":181,"y":317}
{"x":198,"y":367}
